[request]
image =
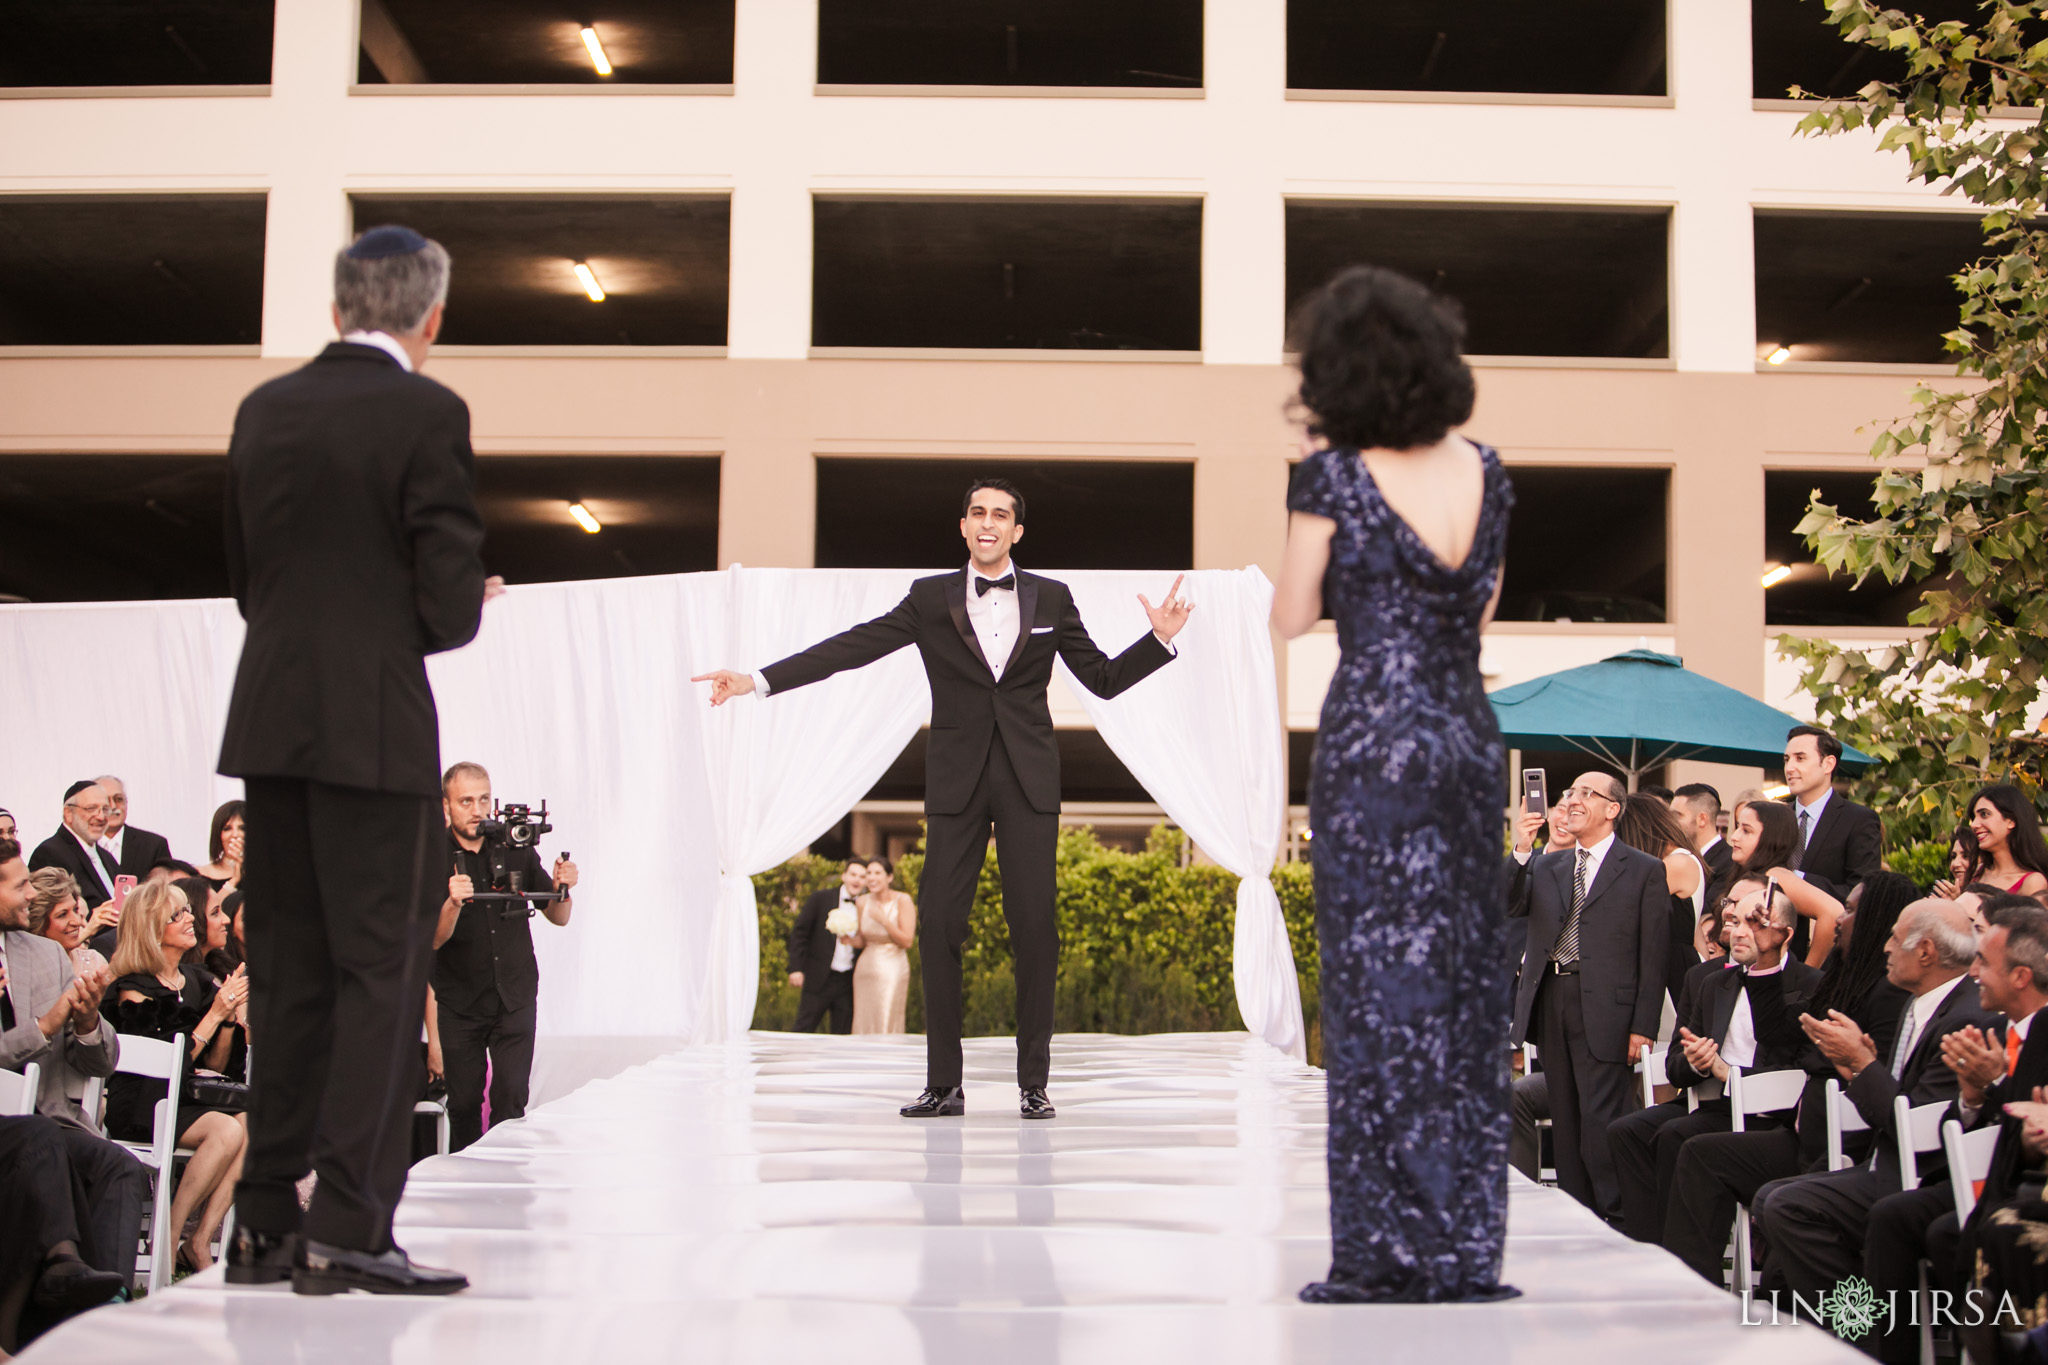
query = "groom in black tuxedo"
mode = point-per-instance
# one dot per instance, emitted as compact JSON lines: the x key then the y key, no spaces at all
{"x":989,"y":635}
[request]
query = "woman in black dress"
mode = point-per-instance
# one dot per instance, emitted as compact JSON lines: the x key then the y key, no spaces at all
{"x":155,"y":996}
{"x":1398,"y":527}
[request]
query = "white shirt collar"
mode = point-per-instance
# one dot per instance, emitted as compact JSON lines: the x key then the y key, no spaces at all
{"x":974,"y":572}
{"x":112,"y":842}
{"x":1927,"y":1002}
{"x":384,"y":342}
{"x":2020,"y":1026}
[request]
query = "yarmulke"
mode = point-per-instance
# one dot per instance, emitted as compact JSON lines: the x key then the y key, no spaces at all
{"x":76,"y":787}
{"x":380,"y":242}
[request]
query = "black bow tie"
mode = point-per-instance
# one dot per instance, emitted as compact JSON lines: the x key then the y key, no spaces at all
{"x":984,"y":586}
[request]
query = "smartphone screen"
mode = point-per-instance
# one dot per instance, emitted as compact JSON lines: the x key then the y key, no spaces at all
{"x":1535,"y":791}
{"x":123,"y":884}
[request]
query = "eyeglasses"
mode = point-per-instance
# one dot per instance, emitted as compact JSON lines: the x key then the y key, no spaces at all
{"x":87,"y":810}
{"x":1590,"y":794}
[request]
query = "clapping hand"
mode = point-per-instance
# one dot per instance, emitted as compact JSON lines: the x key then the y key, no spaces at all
{"x":1977,"y":1060}
{"x":1169,"y":616}
{"x":1841,"y":1040}
{"x":2034,"y":1126}
{"x":87,"y":990}
{"x":1703,"y":1055}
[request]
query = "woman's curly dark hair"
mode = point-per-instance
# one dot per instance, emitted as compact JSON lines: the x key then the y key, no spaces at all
{"x":1380,"y":363}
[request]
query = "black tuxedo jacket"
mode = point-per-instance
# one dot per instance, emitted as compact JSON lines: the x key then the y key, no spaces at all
{"x":969,"y":707}
{"x":811,"y":943}
{"x":1718,"y":858}
{"x":1623,"y":935}
{"x":1845,"y":848}
{"x":1926,"y":1078}
{"x":142,"y":850}
{"x":352,"y":547}
{"x":1774,"y":1005}
{"x":61,"y":850}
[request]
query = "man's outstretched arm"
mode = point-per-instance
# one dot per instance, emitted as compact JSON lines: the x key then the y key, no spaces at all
{"x":1107,"y":677}
{"x":855,"y":648}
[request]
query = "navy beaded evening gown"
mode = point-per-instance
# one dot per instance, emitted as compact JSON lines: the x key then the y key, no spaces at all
{"x":1405,"y":804}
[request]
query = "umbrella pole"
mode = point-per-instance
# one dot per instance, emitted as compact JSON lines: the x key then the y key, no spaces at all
{"x":1635,"y":771}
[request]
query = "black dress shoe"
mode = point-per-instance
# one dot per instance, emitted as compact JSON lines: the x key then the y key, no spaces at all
{"x":950,"y":1103}
{"x":69,"y":1285}
{"x":261,"y":1257}
{"x":324,"y":1269}
{"x":1033,"y":1103}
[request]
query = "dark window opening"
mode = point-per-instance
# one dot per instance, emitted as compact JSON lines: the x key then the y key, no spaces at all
{"x":1555,"y":574}
{"x":660,"y":261}
{"x":1578,"y":281}
{"x":131,"y":270}
{"x":1860,"y":286}
{"x":1136,"y":43}
{"x":521,"y":42}
{"x":1792,"y":43}
{"x":1078,"y":514}
{"x":1810,"y":596}
{"x":135,"y":42}
{"x":657,"y":513}
{"x":1301,"y":762}
{"x":1598,"y":47}
{"x":1088,"y":772}
{"x":1073,"y":274}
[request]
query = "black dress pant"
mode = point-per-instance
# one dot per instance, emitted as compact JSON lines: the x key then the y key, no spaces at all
{"x":500,"y":1036}
{"x":1903,"y":1228}
{"x":341,"y":888}
{"x":109,"y":1189}
{"x":955,"y":846}
{"x":1813,"y":1226}
{"x":1529,"y":1102}
{"x":1585,"y":1096}
{"x":832,"y":999}
{"x":1645,"y":1147}
{"x":1716,"y":1172}
{"x":62,"y":1184}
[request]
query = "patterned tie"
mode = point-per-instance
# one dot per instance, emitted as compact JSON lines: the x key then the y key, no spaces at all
{"x":1903,"y":1046}
{"x":1805,"y":828}
{"x":1567,"y":949}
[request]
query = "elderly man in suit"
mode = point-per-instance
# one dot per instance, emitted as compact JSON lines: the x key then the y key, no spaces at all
{"x":135,"y":851}
{"x":353,"y":546}
{"x":75,"y":846}
{"x":1591,"y":992}
{"x":50,"y":1016}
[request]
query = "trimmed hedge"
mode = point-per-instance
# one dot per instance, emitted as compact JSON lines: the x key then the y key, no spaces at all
{"x":1145,"y":944}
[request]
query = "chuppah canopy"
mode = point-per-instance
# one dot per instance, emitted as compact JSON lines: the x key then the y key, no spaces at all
{"x":579,"y":693}
{"x":1641,"y":708}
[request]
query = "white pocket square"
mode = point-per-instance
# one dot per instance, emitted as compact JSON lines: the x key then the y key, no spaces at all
{"x":1043,"y":630}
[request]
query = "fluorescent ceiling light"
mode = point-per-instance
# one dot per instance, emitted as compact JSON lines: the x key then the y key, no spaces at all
{"x":584,"y":519}
{"x":597,"y":57}
{"x":589,"y":282}
{"x":1779,"y":356}
{"x":1776,"y":573}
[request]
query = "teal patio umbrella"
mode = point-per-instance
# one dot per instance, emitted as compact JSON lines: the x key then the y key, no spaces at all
{"x":1639,"y":709}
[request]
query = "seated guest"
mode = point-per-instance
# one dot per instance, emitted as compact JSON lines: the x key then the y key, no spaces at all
{"x":1654,"y":792}
{"x":8,"y":829}
{"x":57,"y":912}
{"x":1765,"y":841}
{"x":1812,"y":1226}
{"x":223,"y":961}
{"x":209,"y":926}
{"x":135,"y":850}
{"x":50,"y":1015}
{"x":1648,"y":824}
{"x":1745,"y":1017}
{"x":224,"y":846}
{"x":169,"y":870}
{"x":39,"y":1260}
{"x":75,"y":846}
{"x":2013,"y":857}
{"x":1717,"y":1171}
{"x":1965,"y":863}
{"x":155,"y":996}
{"x":1979,"y":899}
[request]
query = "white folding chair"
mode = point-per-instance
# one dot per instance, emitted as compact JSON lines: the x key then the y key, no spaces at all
{"x":1843,"y":1119}
{"x":18,"y":1090}
{"x":1654,"y":1069}
{"x":1545,"y":1175}
{"x":1919,"y":1130}
{"x":439,"y":1109}
{"x":1762,"y":1092}
{"x":1969,"y":1161}
{"x":160,"y":1155}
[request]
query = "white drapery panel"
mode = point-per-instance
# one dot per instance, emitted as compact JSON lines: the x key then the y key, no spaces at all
{"x":1203,"y":736}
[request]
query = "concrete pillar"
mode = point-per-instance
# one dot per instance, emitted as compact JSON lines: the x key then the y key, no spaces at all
{"x":768,"y":478}
{"x":1713,"y":251}
{"x":1244,"y":268}
{"x":313,"y":63}
{"x":775,"y":64}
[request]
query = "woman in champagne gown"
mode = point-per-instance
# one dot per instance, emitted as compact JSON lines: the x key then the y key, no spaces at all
{"x":881,"y":975}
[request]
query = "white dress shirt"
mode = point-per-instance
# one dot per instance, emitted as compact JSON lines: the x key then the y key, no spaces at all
{"x":1738,"y":1044}
{"x":384,"y":342}
{"x":1812,"y":812}
{"x":92,"y":857}
{"x":112,"y":842}
{"x":1919,"y":1011}
{"x":842,"y":953}
{"x":993,"y":615}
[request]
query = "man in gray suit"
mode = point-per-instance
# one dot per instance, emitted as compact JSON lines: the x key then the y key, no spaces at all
{"x":49,"y":1015}
{"x":1592,"y":980}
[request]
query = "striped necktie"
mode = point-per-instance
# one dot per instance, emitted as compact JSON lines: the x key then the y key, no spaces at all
{"x":1567,"y":950}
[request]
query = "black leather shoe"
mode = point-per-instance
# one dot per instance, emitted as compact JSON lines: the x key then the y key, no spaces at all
{"x":324,"y":1269}
{"x":937,"y":1104}
{"x":260,"y":1257}
{"x":69,"y":1285}
{"x":1033,"y":1103}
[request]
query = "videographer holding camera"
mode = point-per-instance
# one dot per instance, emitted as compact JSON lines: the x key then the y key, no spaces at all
{"x":486,"y":982}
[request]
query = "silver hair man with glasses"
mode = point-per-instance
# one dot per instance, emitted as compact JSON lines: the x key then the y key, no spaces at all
{"x":353,"y":546}
{"x":1592,"y":981}
{"x":75,"y":847}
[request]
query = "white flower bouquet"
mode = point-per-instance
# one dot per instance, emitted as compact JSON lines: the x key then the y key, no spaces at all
{"x":842,"y":921}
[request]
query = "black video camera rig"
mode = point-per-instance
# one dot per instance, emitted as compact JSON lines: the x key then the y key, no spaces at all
{"x":509,"y":828}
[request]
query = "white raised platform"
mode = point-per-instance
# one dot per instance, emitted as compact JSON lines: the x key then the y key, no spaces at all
{"x":763,"y":1202}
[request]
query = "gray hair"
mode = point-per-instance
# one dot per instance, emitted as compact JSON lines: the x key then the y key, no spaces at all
{"x":1943,"y":924}
{"x":390,"y":293}
{"x":2026,"y":939}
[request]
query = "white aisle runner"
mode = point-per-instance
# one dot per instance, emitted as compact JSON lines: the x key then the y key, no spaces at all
{"x":761,"y":1201}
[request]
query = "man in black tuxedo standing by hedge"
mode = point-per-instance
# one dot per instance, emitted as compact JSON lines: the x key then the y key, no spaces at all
{"x":989,"y":635}
{"x":820,"y":962}
{"x":352,"y":548}
{"x":1843,"y":843}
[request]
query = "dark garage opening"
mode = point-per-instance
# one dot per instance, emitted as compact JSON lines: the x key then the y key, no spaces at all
{"x":135,"y":42}
{"x":1533,"y":280}
{"x":1555,"y":574}
{"x":658,"y":514}
{"x":1133,"y":43}
{"x":1811,"y":596}
{"x":1860,"y":286}
{"x":523,"y":42}
{"x":661,"y":261}
{"x":1043,"y":274}
{"x":1597,"y":47}
{"x":1791,"y":43}
{"x":131,"y":270}
{"x":1079,"y":514}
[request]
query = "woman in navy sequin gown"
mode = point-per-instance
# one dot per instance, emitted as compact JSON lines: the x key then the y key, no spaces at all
{"x":1405,"y":801}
